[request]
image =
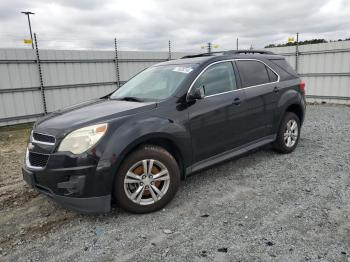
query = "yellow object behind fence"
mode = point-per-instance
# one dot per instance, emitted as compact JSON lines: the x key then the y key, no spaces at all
{"x":290,"y":39}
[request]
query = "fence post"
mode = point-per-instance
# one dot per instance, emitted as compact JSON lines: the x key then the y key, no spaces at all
{"x":42,"y":88}
{"x":116,"y":62}
{"x":297,"y":53}
{"x":169,"y":50}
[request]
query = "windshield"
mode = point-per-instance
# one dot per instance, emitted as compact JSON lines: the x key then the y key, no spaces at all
{"x":154,"y":84}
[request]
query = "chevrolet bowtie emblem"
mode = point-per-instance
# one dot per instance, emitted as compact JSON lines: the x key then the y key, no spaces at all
{"x":30,"y":146}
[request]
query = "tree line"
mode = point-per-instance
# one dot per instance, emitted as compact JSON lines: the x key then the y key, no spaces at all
{"x":306,"y":42}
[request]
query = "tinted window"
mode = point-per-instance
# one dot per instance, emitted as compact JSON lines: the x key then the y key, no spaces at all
{"x":252,"y":72}
{"x":272,"y":76}
{"x":218,"y":78}
{"x":286,"y":71}
{"x":155,"y":83}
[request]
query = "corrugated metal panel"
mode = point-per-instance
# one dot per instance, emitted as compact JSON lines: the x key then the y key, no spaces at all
{"x":69,"y":77}
{"x":325,"y":68}
{"x":18,"y":75}
{"x":74,"y":76}
{"x":61,"y":98}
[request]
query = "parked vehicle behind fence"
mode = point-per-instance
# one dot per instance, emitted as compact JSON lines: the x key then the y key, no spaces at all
{"x":172,"y":119}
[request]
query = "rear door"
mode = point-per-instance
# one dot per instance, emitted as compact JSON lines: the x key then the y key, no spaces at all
{"x":260,"y":83}
{"x":215,"y":120}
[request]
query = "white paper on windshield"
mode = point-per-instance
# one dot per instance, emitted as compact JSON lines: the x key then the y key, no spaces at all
{"x":183,"y":69}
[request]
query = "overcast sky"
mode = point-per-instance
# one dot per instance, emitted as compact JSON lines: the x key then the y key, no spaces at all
{"x":189,"y":24}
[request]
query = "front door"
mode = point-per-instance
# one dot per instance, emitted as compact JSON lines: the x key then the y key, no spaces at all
{"x":216,"y":120}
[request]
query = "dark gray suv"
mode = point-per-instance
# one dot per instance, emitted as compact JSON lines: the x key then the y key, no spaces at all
{"x":172,"y":119}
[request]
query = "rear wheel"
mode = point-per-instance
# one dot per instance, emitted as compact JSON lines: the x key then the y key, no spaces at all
{"x":288,"y":134}
{"x":147,"y":180}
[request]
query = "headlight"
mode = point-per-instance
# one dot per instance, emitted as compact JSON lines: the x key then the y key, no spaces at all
{"x":82,"y":139}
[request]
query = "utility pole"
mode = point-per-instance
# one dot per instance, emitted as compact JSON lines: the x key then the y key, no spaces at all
{"x":116,"y":62}
{"x":297,"y":53}
{"x":27,"y":13}
{"x":169,"y":50}
{"x":209,"y":47}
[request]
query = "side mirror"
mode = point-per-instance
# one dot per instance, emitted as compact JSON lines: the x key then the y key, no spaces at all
{"x":197,"y":94}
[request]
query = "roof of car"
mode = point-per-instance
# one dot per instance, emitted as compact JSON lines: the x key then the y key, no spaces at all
{"x":194,"y":60}
{"x":217,"y":56}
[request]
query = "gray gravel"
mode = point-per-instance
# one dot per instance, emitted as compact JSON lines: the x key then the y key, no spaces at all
{"x":263,"y":206}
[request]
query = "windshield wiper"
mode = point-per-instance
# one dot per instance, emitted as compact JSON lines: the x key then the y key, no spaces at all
{"x":129,"y":98}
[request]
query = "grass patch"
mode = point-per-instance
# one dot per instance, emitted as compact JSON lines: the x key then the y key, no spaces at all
{"x":16,"y":127}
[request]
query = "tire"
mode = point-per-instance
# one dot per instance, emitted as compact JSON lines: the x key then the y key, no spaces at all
{"x":164,"y":178}
{"x":281,"y":143}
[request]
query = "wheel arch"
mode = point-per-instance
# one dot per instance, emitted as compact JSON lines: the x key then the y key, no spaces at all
{"x":158,"y":139}
{"x":290,"y":101}
{"x":296,"y":109}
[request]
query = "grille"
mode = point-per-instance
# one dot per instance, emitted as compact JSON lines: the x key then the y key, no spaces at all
{"x":43,"y":138}
{"x":38,"y":160}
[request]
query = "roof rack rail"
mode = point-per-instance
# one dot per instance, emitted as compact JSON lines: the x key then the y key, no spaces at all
{"x":202,"y":54}
{"x":231,"y":52}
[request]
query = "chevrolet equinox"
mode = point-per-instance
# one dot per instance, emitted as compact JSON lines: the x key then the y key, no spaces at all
{"x":172,"y":119}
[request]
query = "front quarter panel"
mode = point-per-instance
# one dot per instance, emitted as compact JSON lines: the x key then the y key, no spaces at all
{"x":129,"y":133}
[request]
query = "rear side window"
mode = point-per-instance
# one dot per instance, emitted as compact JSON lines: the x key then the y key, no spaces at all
{"x":272,"y":76}
{"x":285,"y":70}
{"x":252,"y":73}
{"x":218,"y":78}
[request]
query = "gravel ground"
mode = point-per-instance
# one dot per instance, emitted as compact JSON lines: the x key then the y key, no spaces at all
{"x":261,"y":207}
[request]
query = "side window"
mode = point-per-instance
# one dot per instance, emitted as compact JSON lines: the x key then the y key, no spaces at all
{"x":272,"y":76}
{"x":285,"y":71}
{"x":252,"y":72}
{"x":217,"y":79}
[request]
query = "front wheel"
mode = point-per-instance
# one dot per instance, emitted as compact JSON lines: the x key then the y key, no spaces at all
{"x":147,"y":180}
{"x":288,"y":134}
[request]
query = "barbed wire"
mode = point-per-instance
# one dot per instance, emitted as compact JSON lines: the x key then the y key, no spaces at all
{"x":81,"y":43}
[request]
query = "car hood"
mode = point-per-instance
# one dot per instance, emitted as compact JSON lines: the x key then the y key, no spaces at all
{"x":90,"y":112}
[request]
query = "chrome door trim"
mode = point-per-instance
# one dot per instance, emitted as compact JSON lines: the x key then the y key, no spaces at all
{"x":232,"y":60}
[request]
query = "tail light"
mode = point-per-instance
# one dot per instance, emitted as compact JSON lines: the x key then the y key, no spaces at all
{"x":302,"y":86}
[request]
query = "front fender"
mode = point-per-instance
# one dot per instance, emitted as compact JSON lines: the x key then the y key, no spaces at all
{"x":132,"y":133}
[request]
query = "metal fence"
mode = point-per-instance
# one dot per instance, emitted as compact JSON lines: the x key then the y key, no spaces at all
{"x":33,"y":82}
{"x":325,"y":68}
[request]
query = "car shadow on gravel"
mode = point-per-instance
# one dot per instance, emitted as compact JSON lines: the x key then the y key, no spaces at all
{"x":221,"y":171}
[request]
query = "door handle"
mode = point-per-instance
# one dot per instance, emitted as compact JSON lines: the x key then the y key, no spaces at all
{"x":276,"y":89}
{"x":237,"y":101}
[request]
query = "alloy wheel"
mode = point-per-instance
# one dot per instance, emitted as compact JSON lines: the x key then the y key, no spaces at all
{"x":291,"y":133}
{"x":146,"y":182}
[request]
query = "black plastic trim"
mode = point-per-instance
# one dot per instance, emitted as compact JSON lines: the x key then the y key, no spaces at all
{"x":98,"y":204}
{"x":230,"y":154}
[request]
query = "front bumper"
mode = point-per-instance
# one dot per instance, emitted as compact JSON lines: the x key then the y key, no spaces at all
{"x":70,"y":192}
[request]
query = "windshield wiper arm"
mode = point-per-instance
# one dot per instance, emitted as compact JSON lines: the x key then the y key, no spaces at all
{"x":130,"y":98}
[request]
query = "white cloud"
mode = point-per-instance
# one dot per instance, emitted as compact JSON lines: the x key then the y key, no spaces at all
{"x":148,"y":25}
